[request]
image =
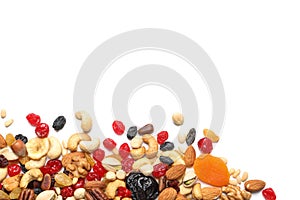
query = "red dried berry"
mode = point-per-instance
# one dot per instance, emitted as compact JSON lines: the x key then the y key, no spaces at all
{"x":92,"y":176}
{"x":42,"y":130}
{"x":33,"y":119}
{"x":99,"y":170}
{"x":54,"y":166}
{"x":99,"y":155}
{"x":205,"y":145}
{"x":162,"y":137}
{"x":269,"y":194}
{"x":1,"y":185}
{"x":127,"y":164}
{"x":67,"y":192}
{"x":45,"y":169}
{"x":124,"y":150}
{"x":159,"y":170}
{"x":13,"y":169}
{"x":109,"y":143}
{"x":123,"y":192}
{"x":118,"y":127}
{"x":79,"y":184}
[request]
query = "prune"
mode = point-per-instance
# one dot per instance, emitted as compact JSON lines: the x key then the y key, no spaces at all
{"x":131,"y":133}
{"x":167,"y":146}
{"x":59,"y":123}
{"x":3,"y":161}
{"x":141,"y":186}
{"x":21,"y":137}
{"x":191,"y":136}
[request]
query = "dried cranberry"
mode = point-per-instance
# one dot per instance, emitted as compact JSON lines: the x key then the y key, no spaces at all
{"x":124,"y":150}
{"x":42,"y":130}
{"x":13,"y":169}
{"x":45,"y":169}
{"x":79,"y":184}
{"x":162,"y":137}
{"x":159,"y":170}
{"x":127,"y":164}
{"x":54,"y":166}
{"x":67,"y":192}
{"x":205,"y":145}
{"x":1,"y":185}
{"x":3,"y":161}
{"x":99,"y":169}
{"x":123,"y":192}
{"x":33,"y":119}
{"x":118,"y":127}
{"x":109,"y":143}
{"x":92,"y":176}
{"x":99,"y":154}
{"x":269,"y":194}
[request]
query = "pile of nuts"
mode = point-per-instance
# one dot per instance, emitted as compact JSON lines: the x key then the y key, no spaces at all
{"x":148,"y":167}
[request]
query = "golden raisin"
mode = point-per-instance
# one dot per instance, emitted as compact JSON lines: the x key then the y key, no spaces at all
{"x":9,"y":139}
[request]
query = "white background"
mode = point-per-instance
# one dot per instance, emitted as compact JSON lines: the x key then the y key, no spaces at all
{"x":255,"y":46}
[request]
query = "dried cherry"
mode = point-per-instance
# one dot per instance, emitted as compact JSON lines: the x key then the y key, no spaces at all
{"x":159,"y":170}
{"x":269,"y":194}
{"x":33,"y":119}
{"x":124,"y":150}
{"x":42,"y":130}
{"x":13,"y":169}
{"x":118,"y":127}
{"x":109,"y":143}
{"x":127,"y":164}
{"x":67,"y":192}
{"x":205,"y":145}
{"x":123,"y":192}
{"x":162,"y":137}
{"x":99,"y":154}
{"x":99,"y":169}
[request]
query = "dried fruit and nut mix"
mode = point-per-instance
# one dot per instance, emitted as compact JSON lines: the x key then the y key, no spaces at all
{"x":146,"y":167}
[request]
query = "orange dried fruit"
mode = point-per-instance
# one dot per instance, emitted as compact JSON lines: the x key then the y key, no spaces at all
{"x":211,"y":170}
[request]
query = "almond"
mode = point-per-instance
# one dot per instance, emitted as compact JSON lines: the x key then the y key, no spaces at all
{"x":2,"y":142}
{"x":168,"y":193}
{"x":189,"y":156}
{"x":209,"y":193}
{"x":180,"y":197}
{"x":175,"y":172}
{"x":254,"y":185}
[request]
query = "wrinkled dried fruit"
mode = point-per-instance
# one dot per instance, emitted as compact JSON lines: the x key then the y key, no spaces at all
{"x":109,"y":143}
{"x":13,"y":169}
{"x":211,"y":170}
{"x":159,"y":170}
{"x":162,"y":137}
{"x":3,"y":161}
{"x":205,"y":145}
{"x":33,"y":119}
{"x":124,"y":150}
{"x":118,"y":127}
{"x":269,"y":194}
{"x":63,"y":180}
{"x":67,"y":192}
{"x":59,"y":123}
{"x":9,"y":138}
{"x":127,"y":164}
{"x":123,"y":192}
{"x":42,"y":130}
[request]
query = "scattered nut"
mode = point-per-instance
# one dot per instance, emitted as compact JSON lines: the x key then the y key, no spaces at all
{"x":2,"y":142}
{"x":8,"y":123}
{"x":89,"y":146}
{"x":79,"y":193}
{"x":196,"y":192}
{"x":75,"y":139}
{"x":32,"y":174}
{"x":121,"y":174}
{"x":86,"y":120}
{"x":254,"y":185}
{"x":35,"y":164}
{"x":153,"y":145}
{"x":11,"y":183}
{"x":112,"y":188}
{"x":55,"y":148}
{"x":244,"y":176}
{"x":3,"y":113}
{"x":136,"y":142}
{"x":110,"y":176}
{"x":211,"y":135}
{"x":178,"y":119}
{"x":138,"y":153}
{"x":19,"y":148}
{"x":46,"y":195}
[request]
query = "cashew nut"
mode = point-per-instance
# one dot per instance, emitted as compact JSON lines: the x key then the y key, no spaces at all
{"x":89,"y":146}
{"x":32,"y":174}
{"x":153,"y":145}
{"x":112,"y":188}
{"x":136,"y":142}
{"x":55,"y":148}
{"x":196,"y":192}
{"x":138,"y":153}
{"x":46,"y":195}
{"x":86,"y":120}
{"x":75,"y":139}
{"x":35,"y":164}
{"x":139,"y":163}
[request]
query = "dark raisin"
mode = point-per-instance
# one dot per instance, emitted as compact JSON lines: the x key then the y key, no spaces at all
{"x":37,"y":190}
{"x":59,"y":123}
{"x":24,"y":170}
{"x":3,"y":161}
{"x":66,"y":171}
{"x":21,"y":137}
{"x":167,"y":146}
{"x":131,"y":133}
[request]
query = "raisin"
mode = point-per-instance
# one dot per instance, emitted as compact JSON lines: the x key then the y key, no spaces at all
{"x":167,"y":160}
{"x":10,"y":139}
{"x":21,"y":137}
{"x":131,"y":133}
{"x":59,"y":123}
{"x":3,"y":161}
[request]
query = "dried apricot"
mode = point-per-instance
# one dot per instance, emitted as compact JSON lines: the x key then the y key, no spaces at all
{"x":211,"y":170}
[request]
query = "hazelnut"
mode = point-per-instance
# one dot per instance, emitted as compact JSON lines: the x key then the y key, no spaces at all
{"x":19,"y":148}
